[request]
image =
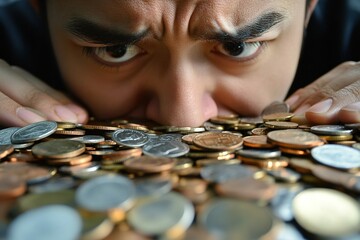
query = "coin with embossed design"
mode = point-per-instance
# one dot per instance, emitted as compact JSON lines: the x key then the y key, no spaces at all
{"x":218,"y":141}
{"x":34,"y":132}
{"x":294,"y":138}
{"x":130,"y":137}
{"x":58,"y":148}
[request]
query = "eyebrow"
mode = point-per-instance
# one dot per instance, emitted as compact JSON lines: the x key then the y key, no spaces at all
{"x":258,"y":27}
{"x":94,"y":33}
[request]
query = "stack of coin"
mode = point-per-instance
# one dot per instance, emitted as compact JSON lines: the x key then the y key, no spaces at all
{"x":232,"y":178}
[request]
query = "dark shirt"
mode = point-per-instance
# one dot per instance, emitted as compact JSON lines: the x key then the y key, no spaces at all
{"x":332,"y":37}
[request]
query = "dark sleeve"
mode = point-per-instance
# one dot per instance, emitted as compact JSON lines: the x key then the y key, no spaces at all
{"x":332,"y":37}
{"x":25,"y":42}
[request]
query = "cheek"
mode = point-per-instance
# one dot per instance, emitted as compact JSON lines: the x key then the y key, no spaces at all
{"x":103,"y":91}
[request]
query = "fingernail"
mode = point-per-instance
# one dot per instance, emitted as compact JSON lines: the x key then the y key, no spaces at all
{"x":80,"y":112}
{"x":29,"y":115}
{"x":321,"y":107}
{"x":302,"y":109}
{"x":65,"y":114}
{"x":291,"y":100}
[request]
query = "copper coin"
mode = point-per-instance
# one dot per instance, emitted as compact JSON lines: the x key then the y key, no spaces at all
{"x":280,"y":116}
{"x":189,"y":138}
{"x":276,"y":107}
{"x":27,"y":172}
{"x":302,"y":165}
{"x":5,"y":150}
{"x":21,"y":157}
{"x":98,"y":127}
{"x":297,"y":152}
{"x":257,"y":142}
{"x":333,"y":176}
{"x":150,"y":164}
{"x":78,"y":160}
{"x":281,"y":125}
{"x":59,"y":148}
{"x":218,"y":141}
{"x":260,"y":131}
{"x":11,"y":186}
{"x":247,"y":188}
{"x":294,"y":138}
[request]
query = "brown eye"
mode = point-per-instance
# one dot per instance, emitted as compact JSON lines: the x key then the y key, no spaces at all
{"x":239,"y":50}
{"x":117,"y":53}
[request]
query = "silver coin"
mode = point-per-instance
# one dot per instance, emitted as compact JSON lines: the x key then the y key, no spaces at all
{"x":276,"y":107}
{"x":34,"y":132}
{"x":103,"y":193}
{"x":159,"y":215}
{"x":89,"y":139}
{"x":281,"y":204}
{"x":222,"y":173}
{"x":234,"y":219}
{"x":55,"y":222}
{"x":337,"y":156}
{"x":152,"y":187}
{"x":259,"y":153}
{"x":88,"y":167}
{"x":53,"y":185}
{"x":130,"y":137}
{"x":5,"y":135}
{"x":170,"y":137}
{"x":332,"y":130}
{"x":170,"y":149}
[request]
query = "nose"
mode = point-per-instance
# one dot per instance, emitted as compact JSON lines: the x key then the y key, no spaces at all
{"x":182,"y":94}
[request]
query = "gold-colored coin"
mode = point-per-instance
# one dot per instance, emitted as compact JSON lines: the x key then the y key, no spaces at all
{"x":206,"y":162}
{"x":66,"y":125}
{"x":218,"y":141}
{"x":77,"y":160}
{"x":59,"y":148}
{"x":294,"y":138}
{"x":99,"y":127}
{"x":75,"y":132}
{"x":284,"y":116}
{"x":259,"y":141}
{"x":242,"y":126}
{"x":336,"y":138}
{"x":281,"y":125}
{"x":224,"y":121}
{"x":149,"y":164}
{"x":327,"y":213}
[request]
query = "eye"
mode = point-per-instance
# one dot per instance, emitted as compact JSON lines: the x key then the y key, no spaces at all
{"x":117,"y":53}
{"x":239,"y":50}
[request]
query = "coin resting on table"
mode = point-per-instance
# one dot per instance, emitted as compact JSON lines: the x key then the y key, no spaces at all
{"x":231,"y":178}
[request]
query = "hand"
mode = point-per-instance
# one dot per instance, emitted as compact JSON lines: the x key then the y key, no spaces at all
{"x":334,"y":97}
{"x":25,"y":99}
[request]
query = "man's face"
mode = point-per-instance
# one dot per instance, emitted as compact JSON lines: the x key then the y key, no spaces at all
{"x":177,"y":62}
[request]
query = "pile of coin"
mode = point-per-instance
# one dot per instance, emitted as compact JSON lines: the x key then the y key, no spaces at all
{"x":232,"y":178}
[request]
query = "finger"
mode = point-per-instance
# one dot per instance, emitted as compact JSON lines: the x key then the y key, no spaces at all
{"x":350,"y":113}
{"x":328,"y":111}
{"x":13,"y":114}
{"x":341,"y":76}
{"x":80,"y":112}
{"x":26,"y":94}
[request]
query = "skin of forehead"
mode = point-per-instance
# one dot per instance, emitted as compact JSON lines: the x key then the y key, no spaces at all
{"x":175,"y":15}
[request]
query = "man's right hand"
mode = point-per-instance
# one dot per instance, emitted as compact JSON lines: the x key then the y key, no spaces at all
{"x":25,"y":99}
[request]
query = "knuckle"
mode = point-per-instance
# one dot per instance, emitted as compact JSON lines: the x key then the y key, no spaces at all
{"x":347,"y":65}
